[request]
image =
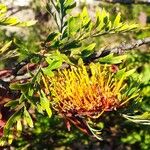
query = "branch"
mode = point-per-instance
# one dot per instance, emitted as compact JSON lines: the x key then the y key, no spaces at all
{"x":127,"y":2}
{"x":15,"y":10}
{"x":122,"y":48}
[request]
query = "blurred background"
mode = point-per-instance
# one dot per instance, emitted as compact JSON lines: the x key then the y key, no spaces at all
{"x":52,"y":133}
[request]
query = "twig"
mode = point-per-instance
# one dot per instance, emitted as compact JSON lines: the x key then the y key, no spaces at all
{"x":126,"y":2}
{"x":122,"y":48}
{"x":15,"y":10}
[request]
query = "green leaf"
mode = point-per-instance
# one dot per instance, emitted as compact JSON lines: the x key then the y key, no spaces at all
{"x":111,"y":59}
{"x":45,"y":104}
{"x":19,"y":126}
{"x":10,"y":138}
{"x":16,"y":116}
{"x":48,"y":72}
{"x":87,"y":51}
{"x":28,"y":118}
{"x":74,"y":25}
{"x":59,"y":56}
{"x":71,"y":45}
{"x":12,"y":104}
{"x":23,"y":87}
{"x":96,"y":133}
{"x":132,"y":91}
{"x":5,"y":47}
{"x":39,"y":108}
{"x":69,"y":5}
{"x":3,"y":8}
{"x":22,"y":98}
{"x":2,"y":141}
{"x":103,"y":17}
{"x":4,"y":20}
{"x":85,"y":19}
{"x":84,"y":13}
{"x":55,"y":64}
{"x":126,"y":27}
{"x":124,"y":73}
{"x":80,"y":62}
{"x":27,"y":23}
{"x":130,"y":72}
{"x":12,"y":21}
{"x":117,"y":20}
{"x":120,"y":73}
{"x":52,"y":36}
{"x":90,"y":47}
{"x":141,"y":119}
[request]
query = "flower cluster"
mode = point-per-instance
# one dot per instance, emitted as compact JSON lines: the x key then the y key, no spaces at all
{"x":87,"y":91}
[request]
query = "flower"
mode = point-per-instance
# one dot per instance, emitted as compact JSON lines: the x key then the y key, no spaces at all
{"x":84,"y":93}
{"x":87,"y":92}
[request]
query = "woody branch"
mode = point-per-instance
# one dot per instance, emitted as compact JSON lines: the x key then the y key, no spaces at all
{"x":126,"y":2}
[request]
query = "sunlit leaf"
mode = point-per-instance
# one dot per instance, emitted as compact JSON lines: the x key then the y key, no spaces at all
{"x":28,"y":118}
{"x":111,"y":59}
{"x":117,"y":20}
{"x":45,"y":104}
{"x":19,"y":125}
{"x":13,"y":119}
{"x":141,"y":119}
{"x":5,"y":47}
{"x":87,"y":51}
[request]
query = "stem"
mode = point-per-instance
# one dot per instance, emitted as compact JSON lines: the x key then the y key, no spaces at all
{"x":61,"y":18}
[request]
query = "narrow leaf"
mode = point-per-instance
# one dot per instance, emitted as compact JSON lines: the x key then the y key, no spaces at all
{"x":45,"y":103}
{"x":28,"y":118}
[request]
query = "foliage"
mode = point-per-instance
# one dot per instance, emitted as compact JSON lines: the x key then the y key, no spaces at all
{"x":8,"y":51}
{"x":4,"y":20}
{"x":69,"y":45}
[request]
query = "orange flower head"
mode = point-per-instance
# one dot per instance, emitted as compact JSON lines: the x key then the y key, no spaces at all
{"x":87,"y":91}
